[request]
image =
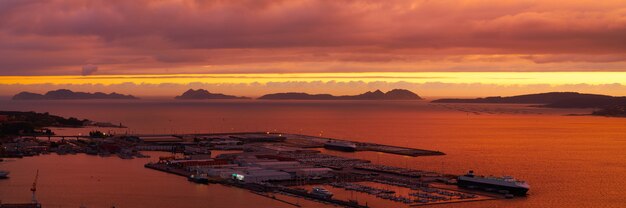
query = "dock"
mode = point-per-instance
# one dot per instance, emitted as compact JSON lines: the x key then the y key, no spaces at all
{"x":274,"y":198}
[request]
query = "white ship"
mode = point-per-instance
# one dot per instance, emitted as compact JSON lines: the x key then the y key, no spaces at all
{"x":505,"y":183}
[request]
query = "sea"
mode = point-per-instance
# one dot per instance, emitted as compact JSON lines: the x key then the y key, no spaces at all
{"x":569,"y":158}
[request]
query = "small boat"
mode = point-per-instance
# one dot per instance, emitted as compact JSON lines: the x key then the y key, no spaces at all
{"x":388,"y":191}
{"x":124,"y":156}
{"x":197,"y":178}
{"x":4,"y":174}
{"x":321,"y":192}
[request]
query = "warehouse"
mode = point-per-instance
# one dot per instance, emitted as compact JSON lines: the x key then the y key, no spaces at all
{"x":308,"y":172}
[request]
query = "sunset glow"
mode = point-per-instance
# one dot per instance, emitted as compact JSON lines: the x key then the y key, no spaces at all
{"x":513,"y":43}
{"x":313,"y":103}
{"x":500,"y":78}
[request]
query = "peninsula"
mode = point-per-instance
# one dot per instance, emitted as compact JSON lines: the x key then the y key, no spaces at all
{"x":550,"y":99}
{"x":608,"y":105}
{"x":396,"y":94}
{"x":33,"y":123}
{"x":202,"y":94}
{"x":65,"y":94}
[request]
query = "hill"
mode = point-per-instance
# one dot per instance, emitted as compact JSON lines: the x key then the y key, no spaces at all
{"x":64,"y":94}
{"x":201,"y":94}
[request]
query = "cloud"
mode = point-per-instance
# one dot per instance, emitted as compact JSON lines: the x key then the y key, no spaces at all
{"x":600,"y":58}
{"x":181,"y":36}
{"x":89,"y":69}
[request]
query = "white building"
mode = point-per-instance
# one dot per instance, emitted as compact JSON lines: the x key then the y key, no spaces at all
{"x":261,"y":176}
{"x":248,"y":174}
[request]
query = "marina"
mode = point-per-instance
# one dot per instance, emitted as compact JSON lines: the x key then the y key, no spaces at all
{"x":271,"y":163}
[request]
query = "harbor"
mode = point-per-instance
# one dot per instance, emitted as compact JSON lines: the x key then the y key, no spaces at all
{"x":271,"y":163}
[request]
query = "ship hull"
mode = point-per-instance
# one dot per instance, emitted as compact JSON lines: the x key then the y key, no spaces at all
{"x":199,"y":180}
{"x":518,"y":191}
{"x":340,"y":148}
{"x":321,"y":196}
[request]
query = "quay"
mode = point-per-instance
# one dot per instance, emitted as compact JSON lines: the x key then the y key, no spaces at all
{"x":165,"y":168}
{"x":452,"y":202}
{"x":166,"y":142}
{"x":274,"y":198}
{"x":23,"y":205}
{"x":307,"y":141}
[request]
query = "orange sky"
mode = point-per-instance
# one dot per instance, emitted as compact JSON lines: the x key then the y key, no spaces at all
{"x":430,"y":84}
{"x":311,"y":38}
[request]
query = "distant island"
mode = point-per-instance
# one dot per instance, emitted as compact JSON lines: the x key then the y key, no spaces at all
{"x":201,"y":94}
{"x":64,"y":94}
{"x":609,"y":105}
{"x":396,"y":94}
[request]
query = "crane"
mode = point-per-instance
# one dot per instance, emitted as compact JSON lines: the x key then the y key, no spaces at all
{"x":34,"y":188}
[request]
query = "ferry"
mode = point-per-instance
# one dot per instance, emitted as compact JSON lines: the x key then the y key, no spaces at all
{"x":500,"y":184}
{"x":319,"y":191}
{"x":340,"y":145}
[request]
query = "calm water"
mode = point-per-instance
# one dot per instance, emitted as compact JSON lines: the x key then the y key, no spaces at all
{"x":570,"y":161}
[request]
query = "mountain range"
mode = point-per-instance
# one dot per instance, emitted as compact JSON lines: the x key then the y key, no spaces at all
{"x":396,"y":94}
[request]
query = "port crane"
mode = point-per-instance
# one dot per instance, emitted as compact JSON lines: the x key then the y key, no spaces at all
{"x":34,"y":188}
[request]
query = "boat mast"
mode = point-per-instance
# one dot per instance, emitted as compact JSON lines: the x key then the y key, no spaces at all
{"x":34,"y":188}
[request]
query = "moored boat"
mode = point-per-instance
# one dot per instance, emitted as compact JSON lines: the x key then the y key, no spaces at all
{"x":4,"y":174}
{"x":322,"y":192}
{"x":340,"y":145}
{"x":197,"y":178}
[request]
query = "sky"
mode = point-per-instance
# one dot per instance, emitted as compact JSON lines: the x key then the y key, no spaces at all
{"x":442,"y":47}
